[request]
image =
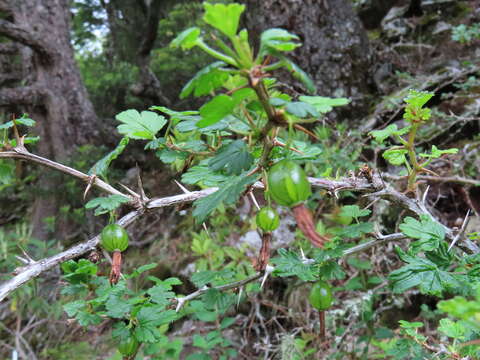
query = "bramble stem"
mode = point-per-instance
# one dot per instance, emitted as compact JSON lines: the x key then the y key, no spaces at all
{"x":410,"y":146}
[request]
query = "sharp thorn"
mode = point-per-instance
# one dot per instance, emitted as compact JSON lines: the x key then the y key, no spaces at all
{"x":130,"y":191}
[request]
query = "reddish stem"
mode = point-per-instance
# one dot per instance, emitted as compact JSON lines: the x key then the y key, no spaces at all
{"x":264,"y":254}
{"x":321,"y":317}
{"x":116,"y":267}
{"x":305,"y":223}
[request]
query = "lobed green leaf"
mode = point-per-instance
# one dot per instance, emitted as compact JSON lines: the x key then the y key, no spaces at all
{"x":224,"y":17}
{"x":144,"y":125}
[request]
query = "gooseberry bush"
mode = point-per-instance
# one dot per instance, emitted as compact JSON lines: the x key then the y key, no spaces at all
{"x":253,"y":139}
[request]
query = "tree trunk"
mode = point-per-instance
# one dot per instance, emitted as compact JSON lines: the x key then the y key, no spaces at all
{"x":335,"y":49}
{"x":56,"y":97}
{"x":133,"y":32}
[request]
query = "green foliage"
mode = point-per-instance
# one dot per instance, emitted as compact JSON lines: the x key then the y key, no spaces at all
{"x":465,"y":34}
{"x":429,"y":273}
{"x":202,"y":175}
{"x":437,"y":153}
{"x":389,"y":131}
{"x":414,"y":111}
{"x":406,"y":153}
{"x":301,"y":109}
{"x":104,"y":205}
{"x":228,"y":194}
{"x":24,"y":120}
{"x":300,"y":75}
{"x":290,"y":264}
{"x":273,"y":40}
{"x":7,"y":170}
{"x":8,"y":143}
{"x":216,"y":109}
{"x":354,"y":211}
{"x":429,"y":233}
{"x":143,"y":126}
{"x":464,"y":309}
{"x":223,"y":17}
{"x":424,"y":274}
{"x":324,"y":104}
{"x":205,"y":81}
{"x":396,"y":157}
{"x":187,"y":38}
{"x":234,"y":158}
{"x":143,"y":316}
{"x":219,"y":144}
{"x":101,"y":166}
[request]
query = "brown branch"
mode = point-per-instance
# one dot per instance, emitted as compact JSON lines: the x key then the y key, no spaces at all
{"x":28,"y":38}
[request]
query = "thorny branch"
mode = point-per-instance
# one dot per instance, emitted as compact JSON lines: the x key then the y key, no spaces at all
{"x":237,"y":284}
{"x":374,"y":187}
{"x":21,"y":153}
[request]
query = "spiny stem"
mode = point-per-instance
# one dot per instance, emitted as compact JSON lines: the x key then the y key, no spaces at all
{"x":410,"y":146}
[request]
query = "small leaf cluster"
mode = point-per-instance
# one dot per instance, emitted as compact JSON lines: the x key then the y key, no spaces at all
{"x":428,"y":261}
{"x":465,"y":34}
{"x":145,"y":315}
{"x":415,"y":115}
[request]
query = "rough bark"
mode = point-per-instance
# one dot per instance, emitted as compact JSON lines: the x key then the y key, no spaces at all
{"x":335,"y":49}
{"x":372,"y":12}
{"x":52,"y":92}
{"x":133,"y":33}
{"x":149,"y":86}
